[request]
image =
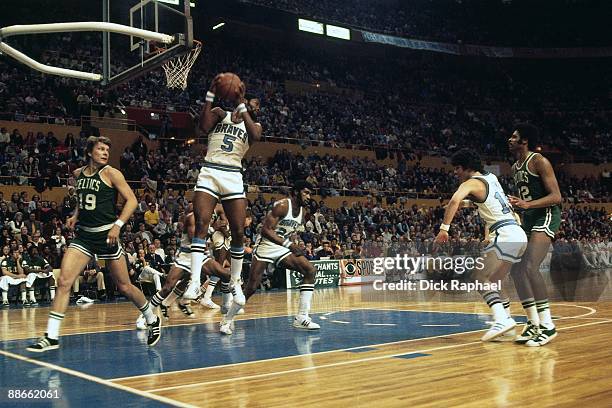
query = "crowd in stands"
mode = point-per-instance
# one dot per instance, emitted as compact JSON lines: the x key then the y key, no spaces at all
{"x":33,"y":228}
{"x":446,"y":101}
{"x":505,"y":23}
{"x":47,"y":161}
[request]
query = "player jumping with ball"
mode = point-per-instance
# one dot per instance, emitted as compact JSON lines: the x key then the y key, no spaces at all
{"x":229,"y":136}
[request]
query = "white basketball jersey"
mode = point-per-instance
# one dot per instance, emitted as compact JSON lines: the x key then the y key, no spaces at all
{"x":288,"y":224}
{"x":495,"y":206}
{"x":228,"y":142}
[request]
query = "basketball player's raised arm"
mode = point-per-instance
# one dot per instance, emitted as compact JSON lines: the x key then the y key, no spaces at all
{"x":210,"y":116}
{"x":547,"y":175}
{"x":253,"y":129}
{"x":268,"y":228}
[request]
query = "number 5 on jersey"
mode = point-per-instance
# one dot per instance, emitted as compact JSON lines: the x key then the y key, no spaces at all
{"x":228,"y":143}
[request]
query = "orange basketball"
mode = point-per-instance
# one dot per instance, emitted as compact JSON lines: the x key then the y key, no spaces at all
{"x":228,"y":88}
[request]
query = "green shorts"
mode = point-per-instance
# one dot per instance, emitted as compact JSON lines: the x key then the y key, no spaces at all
{"x":546,"y":220}
{"x":94,"y":245}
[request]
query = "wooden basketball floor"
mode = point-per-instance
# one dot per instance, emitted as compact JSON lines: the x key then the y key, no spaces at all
{"x":373,"y":349}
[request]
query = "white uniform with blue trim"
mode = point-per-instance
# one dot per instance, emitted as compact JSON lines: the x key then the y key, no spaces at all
{"x":268,"y":251}
{"x":506,"y":236}
{"x":221,"y":176}
{"x":219,"y":240}
{"x":182,"y":259}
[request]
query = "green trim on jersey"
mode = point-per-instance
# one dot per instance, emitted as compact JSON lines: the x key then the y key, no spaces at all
{"x":97,"y":201}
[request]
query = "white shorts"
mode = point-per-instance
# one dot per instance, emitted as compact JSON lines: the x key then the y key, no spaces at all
{"x":270,"y":252}
{"x":220,"y":241}
{"x":5,"y":281}
{"x":221,"y":182}
{"x":509,"y":242}
{"x":183,"y":260}
{"x":37,"y":275}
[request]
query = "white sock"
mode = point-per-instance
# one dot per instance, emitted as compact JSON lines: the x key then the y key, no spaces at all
{"x":498,"y":312}
{"x":212,"y":283}
{"x":226,"y":296}
{"x":147,"y":312}
{"x":198,"y":254}
{"x":23,"y":296}
{"x":530,"y":310}
{"x":4,"y":296}
{"x":237,"y":255}
{"x":544,"y":313}
{"x":53,"y":325}
{"x":31,"y":293}
{"x":232,"y":312}
{"x":306,"y":292}
{"x":52,"y":292}
{"x":506,"y":303}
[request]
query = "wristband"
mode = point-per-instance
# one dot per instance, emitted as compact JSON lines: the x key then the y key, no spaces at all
{"x":287,"y":243}
{"x":119,"y":223}
{"x":445,"y":227}
{"x":210,"y":97}
{"x":241,"y":108}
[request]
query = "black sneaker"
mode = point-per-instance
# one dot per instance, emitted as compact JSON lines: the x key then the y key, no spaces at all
{"x":5,"y":304}
{"x":154,"y":332}
{"x":44,"y":344}
{"x":26,"y":303}
{"x":186,"y":309}
{"x":164,"y":310}
{"x":529,"y":331}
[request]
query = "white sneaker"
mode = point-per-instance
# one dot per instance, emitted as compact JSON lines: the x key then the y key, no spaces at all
{"x":209,"y":303}
{"x":510,"y":335}
{"x":500,"y":327}
{"x":192,"y":292}
{"x":84,"y":299}
{"x":305,"y":323}
{"x":141,"y":323}
{"x":226,"y":327}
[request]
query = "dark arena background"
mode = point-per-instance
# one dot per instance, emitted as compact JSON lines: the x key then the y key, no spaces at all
{"x":368,"y":102}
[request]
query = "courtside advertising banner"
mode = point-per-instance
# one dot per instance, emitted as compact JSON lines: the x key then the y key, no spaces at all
{"x":328,"y":275}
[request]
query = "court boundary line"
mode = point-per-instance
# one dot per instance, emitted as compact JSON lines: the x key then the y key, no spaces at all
{"x":340,"y":363}
{"x":97,"y":380}
{"x":336,"y":350}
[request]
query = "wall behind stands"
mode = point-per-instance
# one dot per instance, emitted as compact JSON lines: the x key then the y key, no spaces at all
{"x":120,"y":138}
{"x":60,"y":131}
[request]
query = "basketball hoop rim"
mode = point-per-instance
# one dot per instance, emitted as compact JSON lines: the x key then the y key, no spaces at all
{"x":196,"y":44}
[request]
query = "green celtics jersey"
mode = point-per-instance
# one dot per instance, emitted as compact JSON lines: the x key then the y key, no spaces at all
{"x":9,"y":263}
{"x":37,"y":263}
{"x":529,"y":185}
{"x":96,"y":201}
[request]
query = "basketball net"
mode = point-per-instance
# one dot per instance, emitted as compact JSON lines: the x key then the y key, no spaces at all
{"x":177,"y":69}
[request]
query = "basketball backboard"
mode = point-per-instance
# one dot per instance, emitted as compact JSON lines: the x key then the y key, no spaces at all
{"x":127,"y":57}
